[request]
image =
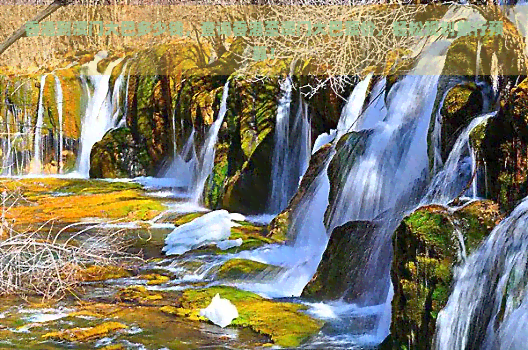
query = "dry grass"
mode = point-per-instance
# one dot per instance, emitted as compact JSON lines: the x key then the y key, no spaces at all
{"x":49,"y":264}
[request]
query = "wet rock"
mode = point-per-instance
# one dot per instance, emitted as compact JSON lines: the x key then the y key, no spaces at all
{"x":340,"y":263}
{"x":117,"y":156}
{"x":461,"y":104}
{"x":504,"y":149}
{"x":351,"y":146}
{"x":279,"y":226}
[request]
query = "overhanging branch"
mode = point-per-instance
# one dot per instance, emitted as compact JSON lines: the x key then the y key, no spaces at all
{"x":21,"y":32}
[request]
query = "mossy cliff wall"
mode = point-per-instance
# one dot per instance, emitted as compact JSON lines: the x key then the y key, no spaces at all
{"x":427,"y":247}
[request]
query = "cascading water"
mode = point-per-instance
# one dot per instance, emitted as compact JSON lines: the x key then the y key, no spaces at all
{"x":299,"y":260}
{"x":7,"y":146}
{"x":349,"y":116}
{"x":488,"y":308}
{"x":208,"y":151}
{"x":119,"y":107}
{"x":60,"y":142}
{"x":385,"y":181}
{"x":302,"y":124}
{"x":184,"y":165}
{"x":38,"y":152}
{"x":352,"y":110}
{"x":289,"y":160}
{"x":98,"y":116}
{"x":459,"y":171}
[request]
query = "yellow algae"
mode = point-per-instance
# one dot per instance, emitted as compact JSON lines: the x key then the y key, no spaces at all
{"x":114,"y":347}
{"x":155,"y":279}
{"x":102,"y":273}
{"x":68,"y":209}
{"x":98,"y":310}
{"x":137,"y":294}
{"x":84,"y":334}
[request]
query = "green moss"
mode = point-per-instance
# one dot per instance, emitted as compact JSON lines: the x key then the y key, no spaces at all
{"x":461,"y":104}
{"x":184,"y":219}
{"x":426,"y":250}
{"x":236,"y":269}
{"x":284,"y":323}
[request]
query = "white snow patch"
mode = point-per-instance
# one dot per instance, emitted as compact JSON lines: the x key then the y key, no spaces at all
{"x":221,"y":311}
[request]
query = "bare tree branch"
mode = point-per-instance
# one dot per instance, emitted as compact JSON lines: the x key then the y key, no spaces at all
{"x":21,"y":32}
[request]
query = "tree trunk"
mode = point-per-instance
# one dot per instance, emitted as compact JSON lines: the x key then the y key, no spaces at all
{"x":21,"y":32}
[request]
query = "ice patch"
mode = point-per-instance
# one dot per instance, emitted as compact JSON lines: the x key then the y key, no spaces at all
{"x":221,"y":311}
{"x":224,"y":245}
{"x":211,"y":228}
{"x":324,"y":139}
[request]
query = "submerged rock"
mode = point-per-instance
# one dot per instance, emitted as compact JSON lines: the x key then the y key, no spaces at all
{"x":243,"y":269}
{"x":86,"y":334}
{"x":428,"y":245}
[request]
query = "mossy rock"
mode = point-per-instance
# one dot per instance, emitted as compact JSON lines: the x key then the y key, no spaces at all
{"x":285,"y":323}
{"x":117,"y":156}
{"x":461,"y":104}
{"x":426,"y":251}
{"x":341,"y":263}
{"x":247,"y":191}
{"x":504,"y":149}
{"x":241,"y":269}
{"x":244,"y":150}
{"x":102,"y":273}
{"x":138,"y":295}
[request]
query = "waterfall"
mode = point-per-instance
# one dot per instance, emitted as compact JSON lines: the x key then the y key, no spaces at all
{"x":208,"y":150}
{"x":459,"y":171}
{"x":119,"y":107}
{"x":387,"y":180}
{"x":184,"y":165}
{"x":488,"y":308}
{"x":349,"y":116}
{"x":98,"y":117}
{"x":38,"y":152}
{"x":7,"y":163}
{"x":280,"y":193}
{"x":352,"y":110}
{"x":310,"y":237}
{"x":302,"y":124}
{"x":290,"y":153}
{"x":59,"y":100}
{"x":299,"y":260}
